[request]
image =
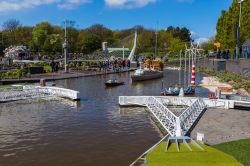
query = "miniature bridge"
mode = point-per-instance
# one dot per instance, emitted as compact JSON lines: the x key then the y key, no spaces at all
{"x":167,"y":117}
{"x":30,"y":92}
{"x":175,"y":114}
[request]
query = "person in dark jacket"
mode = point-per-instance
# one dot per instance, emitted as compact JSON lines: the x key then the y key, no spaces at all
{"x":227,"y":55}
{"x":218,"y":54}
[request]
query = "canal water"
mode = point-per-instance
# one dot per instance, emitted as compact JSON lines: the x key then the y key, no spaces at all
{"x":92,"y":132}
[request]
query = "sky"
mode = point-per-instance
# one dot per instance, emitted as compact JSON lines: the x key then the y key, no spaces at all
{"x":200,"y":16}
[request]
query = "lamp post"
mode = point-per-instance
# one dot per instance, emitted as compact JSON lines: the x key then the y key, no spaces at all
{"x":238,"y":32}
{"x":156,"y":41}
{"x":65,"y":48}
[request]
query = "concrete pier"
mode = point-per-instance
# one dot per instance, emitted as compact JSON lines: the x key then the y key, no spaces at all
{"x":29,"y":92}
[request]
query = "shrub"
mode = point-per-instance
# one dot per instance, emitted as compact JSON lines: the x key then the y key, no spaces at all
{"x":47,"y":68}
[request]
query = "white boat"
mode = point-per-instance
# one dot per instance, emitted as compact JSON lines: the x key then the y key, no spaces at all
{"x":146,"y":74}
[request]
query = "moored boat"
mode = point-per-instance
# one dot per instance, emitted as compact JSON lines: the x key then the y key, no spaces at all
{"x":146,"y":74}
{"x":176,"y":91}
{"x":170,"y":92}
{"x":114,"y":83}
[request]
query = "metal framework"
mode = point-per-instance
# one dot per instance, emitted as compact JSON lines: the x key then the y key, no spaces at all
{"x":191,"y":53}
{"x":174,"y":125}
{"x":164,"y":116}
{"x":190,"y":115}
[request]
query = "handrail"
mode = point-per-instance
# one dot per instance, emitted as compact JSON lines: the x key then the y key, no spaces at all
{"x":163,"y":115}
{"x":189,"y":108}
{"x":149,"y":150}
{"x":31,"y":92}
{"x":191,"y":114}
{"x":164,"y":107}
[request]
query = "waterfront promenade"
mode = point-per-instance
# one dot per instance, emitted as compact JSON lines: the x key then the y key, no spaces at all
{"x":59,"y":76}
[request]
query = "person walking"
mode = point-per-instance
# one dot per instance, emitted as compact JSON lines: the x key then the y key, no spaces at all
{"x":128,"y":64}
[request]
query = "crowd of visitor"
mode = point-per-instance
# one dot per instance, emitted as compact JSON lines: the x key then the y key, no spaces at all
{"x":223,"y":54}
{"x":115,"y":65}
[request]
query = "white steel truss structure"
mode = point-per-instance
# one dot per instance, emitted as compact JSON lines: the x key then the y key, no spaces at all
{"x":164,"y":116}
{"x":190,"y":115}
{"x":174,"y":125}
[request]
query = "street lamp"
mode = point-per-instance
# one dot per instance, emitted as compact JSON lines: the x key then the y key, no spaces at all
{"x":238,"y":32}
{"x":65,"y":48}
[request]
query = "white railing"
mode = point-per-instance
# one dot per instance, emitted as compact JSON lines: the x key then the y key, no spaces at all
{"x":60,"y":92}
{"x":13,"y":95}
{"x":219,"y":103}
{"x":133,"y":100}
{"x":175,"y":126}
{"x":169,"y":100}
{"x":164,"y":116}
{"x":190,"y":115}
{"x":35,"y":92}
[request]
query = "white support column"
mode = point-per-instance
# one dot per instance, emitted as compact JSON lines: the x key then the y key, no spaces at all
{"x":178,"y":128}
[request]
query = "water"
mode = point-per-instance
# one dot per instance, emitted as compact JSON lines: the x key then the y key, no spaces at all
{"x":94,"y":132}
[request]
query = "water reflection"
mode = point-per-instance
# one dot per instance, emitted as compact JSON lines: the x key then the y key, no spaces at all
{"x":97,"y":132}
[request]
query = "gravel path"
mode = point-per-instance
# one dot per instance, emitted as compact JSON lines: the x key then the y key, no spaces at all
{"x":220,"y":125}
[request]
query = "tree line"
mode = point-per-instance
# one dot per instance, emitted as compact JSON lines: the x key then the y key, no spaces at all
{"x":228,"y":23}
{"x":48,"y":38}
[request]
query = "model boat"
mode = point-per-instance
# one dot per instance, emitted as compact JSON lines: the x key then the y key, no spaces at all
{"x":176,"y":91}
{"x":146,"y":74}
{"x":170,"y":92}
{"x":114,"y":83}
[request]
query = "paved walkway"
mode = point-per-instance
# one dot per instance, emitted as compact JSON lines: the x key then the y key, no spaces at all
{"x":220,"y":125}
{"x":58,"y":76}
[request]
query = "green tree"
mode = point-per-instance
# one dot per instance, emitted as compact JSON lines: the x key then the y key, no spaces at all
{"x":102,"y":32}
{"x":229,"y":20}
{"x":53,"y":43}
{"x":40,"y":34}
{"x":9,"y":27}
{"x":181,"y":33}
{"x":209,"y":45}
{"x":90,"y":43}
{"x":23,"y":36}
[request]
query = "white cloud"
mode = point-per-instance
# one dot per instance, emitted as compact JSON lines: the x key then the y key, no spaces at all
{"x":15,"y":5}
{"x":201,"y":40}
{"x":197,"y":39}
{"x":194,"y":35}
{"x":70,"y":4}
{"x":127,"y":4}
{"x":7,"y":6}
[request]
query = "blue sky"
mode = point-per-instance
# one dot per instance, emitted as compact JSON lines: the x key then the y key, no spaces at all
{"x":200,"y":16}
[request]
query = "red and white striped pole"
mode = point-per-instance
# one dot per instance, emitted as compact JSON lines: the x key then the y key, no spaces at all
{"x":193,"y":75}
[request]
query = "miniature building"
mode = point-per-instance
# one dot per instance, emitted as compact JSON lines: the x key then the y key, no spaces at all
{"x":118,"y":52}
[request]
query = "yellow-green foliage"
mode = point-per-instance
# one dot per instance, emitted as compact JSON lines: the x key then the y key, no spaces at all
{"x":197,"y":157}
{"x":14,"y":74}
{"x":47,"y":68}
{"x":36,"y":64}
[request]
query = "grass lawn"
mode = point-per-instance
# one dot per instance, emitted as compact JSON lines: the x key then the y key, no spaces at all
{"x":197,"y":157}
{"x":239,"y":149}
